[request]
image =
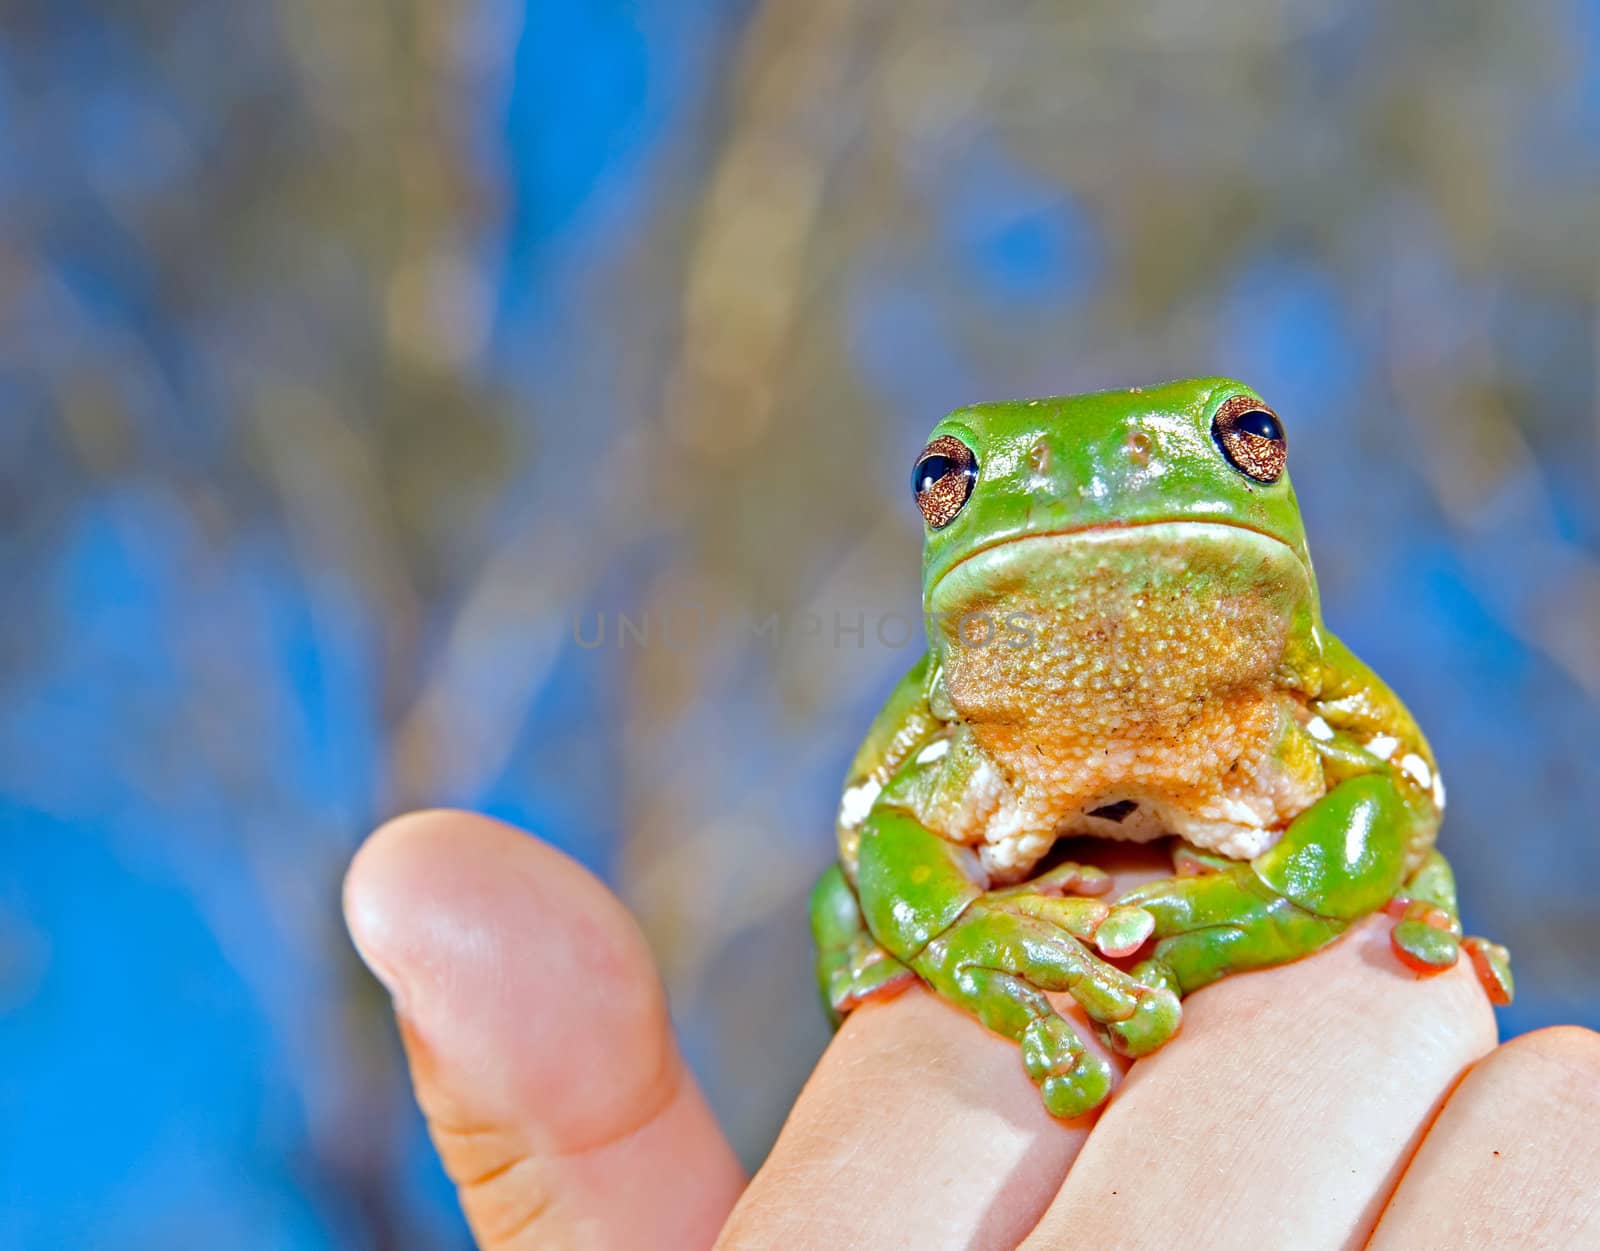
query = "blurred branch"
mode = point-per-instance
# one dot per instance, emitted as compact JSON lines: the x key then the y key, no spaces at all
{"x":746,"y":279}
{"x":747,"y":269}
{"x":1478,"y":465}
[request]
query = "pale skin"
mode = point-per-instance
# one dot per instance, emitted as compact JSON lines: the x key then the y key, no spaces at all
{"x":1337,"y":1101}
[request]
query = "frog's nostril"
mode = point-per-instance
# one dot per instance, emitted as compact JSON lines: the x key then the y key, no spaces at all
{"x":1138,"y":447}
{"x":1039,"y":457}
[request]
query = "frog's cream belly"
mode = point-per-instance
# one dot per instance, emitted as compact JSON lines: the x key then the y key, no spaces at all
{"x":1228,"y":781}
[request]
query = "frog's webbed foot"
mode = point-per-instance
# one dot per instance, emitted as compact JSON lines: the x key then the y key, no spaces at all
{"x":1427,"y":934}
{"x":997,"y":961}
{"x":1425,"y":937}
{"x":1427,"y":931}
{"x":1104,"y":991}
{"x":1003,"y":953}
{"x":1338,"y":861}
{"x":851,"y":966}
{"x":864,"y":971}
{"x":1064,"y":897}
{"x":1428,"y":940}
{"x":1115,"y":930}
{"x":1000,"y":954}
{"x":1071,"y":1080}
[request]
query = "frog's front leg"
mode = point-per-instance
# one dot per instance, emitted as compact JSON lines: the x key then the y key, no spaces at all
{"x":995,"y":953}
{"x":853,"y":968}
{"x":1340,"y":860}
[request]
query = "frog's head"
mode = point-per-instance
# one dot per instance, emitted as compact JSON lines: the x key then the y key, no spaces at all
{"x":1144,"y":530}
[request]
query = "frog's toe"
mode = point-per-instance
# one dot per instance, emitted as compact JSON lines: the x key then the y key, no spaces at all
{"x":1124,"y":931}
{"x":1082,"y":1090}
{"x":1071,"y":879}
{"x":1492,"y":963}
{"x":1426,"y":936}
{"x":1049,"y":1047}
{"x":1114,"y":929}
{"x":1190,"y":861}
{"x":1071,"y":1080}
{"x":1068,"y":878}
{"x":1155,"y":1020}
{"x":866,"y":972}
{"x":1424,"y":948}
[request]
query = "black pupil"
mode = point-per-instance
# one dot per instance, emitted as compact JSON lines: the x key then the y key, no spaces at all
{"x":1262,"y":425}
{"x":929,"y":470}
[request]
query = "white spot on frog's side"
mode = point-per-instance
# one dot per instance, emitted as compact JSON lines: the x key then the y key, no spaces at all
{"x":1237,"y":842}
{"x":1012,"y":843}
{"x":1438,"y":792}
{"x":1013,"y":855}
{"x":857,"y":801}
{"x":935,"y":750}
{"x":1319,"y":730}
{"x":1239,"y":812}
{"x":1417,"y":768}
{"x":1382,"y":745}
{"x":987,"y":792}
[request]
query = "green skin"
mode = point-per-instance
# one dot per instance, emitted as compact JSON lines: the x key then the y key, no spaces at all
{"x":1188,"y":555}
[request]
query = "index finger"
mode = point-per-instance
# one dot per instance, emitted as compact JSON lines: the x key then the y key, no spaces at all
{"x":920,"y":1129}
{"x":917,"y":1129}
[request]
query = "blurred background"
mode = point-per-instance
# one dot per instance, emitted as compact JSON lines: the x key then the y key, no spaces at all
{"x":362,"y":367}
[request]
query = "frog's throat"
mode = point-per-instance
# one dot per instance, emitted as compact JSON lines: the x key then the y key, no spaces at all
{"x":1197,"y":524}
{"x":1182,"y":610}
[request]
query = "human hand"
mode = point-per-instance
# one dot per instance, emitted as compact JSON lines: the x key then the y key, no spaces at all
{"x":1321,"y":1104}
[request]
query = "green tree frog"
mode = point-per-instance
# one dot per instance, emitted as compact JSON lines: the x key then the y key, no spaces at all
{"x":1125,"y":641}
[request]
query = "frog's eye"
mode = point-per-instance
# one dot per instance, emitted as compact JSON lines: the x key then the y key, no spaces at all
{"x":1251,"y":437}
{"x":943,"y":478}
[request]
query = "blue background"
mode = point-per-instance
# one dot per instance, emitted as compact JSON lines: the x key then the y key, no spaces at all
{"x":352,"y":359}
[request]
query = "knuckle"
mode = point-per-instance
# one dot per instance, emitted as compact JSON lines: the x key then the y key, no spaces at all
{"x":506,"y":1191}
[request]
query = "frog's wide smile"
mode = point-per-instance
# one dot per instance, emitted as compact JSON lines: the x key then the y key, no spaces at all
{"x":1108,"y":529}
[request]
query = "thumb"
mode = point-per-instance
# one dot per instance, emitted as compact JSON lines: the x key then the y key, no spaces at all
{"x":538,"y":1038}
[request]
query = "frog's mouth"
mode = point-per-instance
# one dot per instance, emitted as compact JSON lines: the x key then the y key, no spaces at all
{"x":1172,"y":535}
